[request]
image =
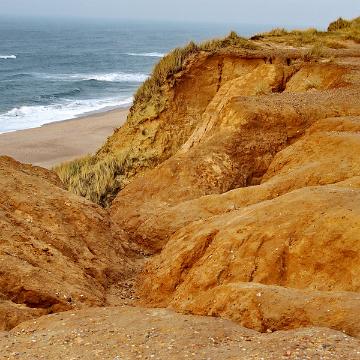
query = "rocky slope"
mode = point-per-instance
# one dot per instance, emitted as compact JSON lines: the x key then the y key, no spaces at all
{"x":256,"y":216}
{"x":57,"y":251}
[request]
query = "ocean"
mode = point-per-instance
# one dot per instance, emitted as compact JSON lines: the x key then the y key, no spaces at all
{"x":52,"y":70}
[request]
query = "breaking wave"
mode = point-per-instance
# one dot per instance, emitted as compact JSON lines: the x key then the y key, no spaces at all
{"x":150,"y":54}
{"x":7,"y":56}
{"x":26,"y":117}
{"x":106,"y":77}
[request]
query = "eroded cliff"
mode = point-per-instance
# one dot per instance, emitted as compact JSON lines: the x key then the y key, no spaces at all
{"x":256,"y":216}
{"x":236,"y":179}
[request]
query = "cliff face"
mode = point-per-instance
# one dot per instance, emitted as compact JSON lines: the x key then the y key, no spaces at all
{"x":150,"y":136}
{"x":236,"y":140}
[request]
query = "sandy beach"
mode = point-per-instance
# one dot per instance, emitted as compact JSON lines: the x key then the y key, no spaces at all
{"x":61,"y":141}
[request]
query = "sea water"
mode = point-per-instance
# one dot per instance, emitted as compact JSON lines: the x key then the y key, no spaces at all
{"x":53,"y":70}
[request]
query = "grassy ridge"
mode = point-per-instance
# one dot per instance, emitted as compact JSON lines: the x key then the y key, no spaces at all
{"x":337,"y":32}
{"x":344,"y":25}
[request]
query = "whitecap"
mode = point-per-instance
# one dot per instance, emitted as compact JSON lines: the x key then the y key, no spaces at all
{"x":7,"y":56}
{"x":106,"y":77}
{"x":27,"y":117}
{"x":150,"y":54}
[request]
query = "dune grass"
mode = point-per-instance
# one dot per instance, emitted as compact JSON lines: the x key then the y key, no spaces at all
{"x":336,"y":33}
{"x":347,"y":29}
{"x":96,"y":179}
{"x":339,"y":24}
{"x":316,"y":51}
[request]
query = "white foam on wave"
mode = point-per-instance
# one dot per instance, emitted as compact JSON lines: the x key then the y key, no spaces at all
{"x":150,"y":54}
{"x":7,"y":56}
{"x":108,"y":77}
{"x":27,"y":117}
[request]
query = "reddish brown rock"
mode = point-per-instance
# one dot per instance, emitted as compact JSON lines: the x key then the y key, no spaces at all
{"x":236,"y":152}
{"x":57,"y":251}
{"x":252,"y":205}
{"x":272,"y":308}
{"x":262,"y":198}
{"x":320,"y":157}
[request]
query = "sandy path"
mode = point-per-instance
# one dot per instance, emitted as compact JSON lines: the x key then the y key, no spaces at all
{"x":61,"y":141}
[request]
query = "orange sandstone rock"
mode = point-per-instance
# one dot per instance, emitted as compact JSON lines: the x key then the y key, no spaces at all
{"x":307,"y":239}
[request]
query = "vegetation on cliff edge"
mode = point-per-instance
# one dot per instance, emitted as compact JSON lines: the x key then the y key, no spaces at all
{"x":338,"y":31}
{"x":100,"y":177}
{"x":175,"y":61}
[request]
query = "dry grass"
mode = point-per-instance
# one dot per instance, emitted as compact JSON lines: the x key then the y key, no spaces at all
{"x":339,"y":24}
{"x":316,"y":51}
{"x":167,"y":66}
{"x":337,"y":31}
{"x":294,"y":38}
{"x":332,"y":44}
{"x":98,"y":180}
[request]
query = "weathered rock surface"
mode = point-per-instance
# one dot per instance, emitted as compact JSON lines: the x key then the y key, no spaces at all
{"x":320,"y":157}
{"x":256,"y":217}
{"x":235,"y":150}
{"x":57,"y":251}
{"x":135,"y":333}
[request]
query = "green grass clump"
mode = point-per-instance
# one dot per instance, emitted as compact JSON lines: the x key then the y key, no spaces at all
{"x":93,"y":178}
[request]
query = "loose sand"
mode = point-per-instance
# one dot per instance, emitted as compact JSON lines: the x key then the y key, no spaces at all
{"x":61,"y":141}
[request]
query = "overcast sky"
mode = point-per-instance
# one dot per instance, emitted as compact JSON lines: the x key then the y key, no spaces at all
{"x":277,"y":12}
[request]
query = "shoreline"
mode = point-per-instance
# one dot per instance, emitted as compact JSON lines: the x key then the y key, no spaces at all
{"x":56,"y":142}
{"x":88,"y":115}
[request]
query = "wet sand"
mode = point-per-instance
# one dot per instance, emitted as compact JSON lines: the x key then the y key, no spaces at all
{"x":61,"y":141}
